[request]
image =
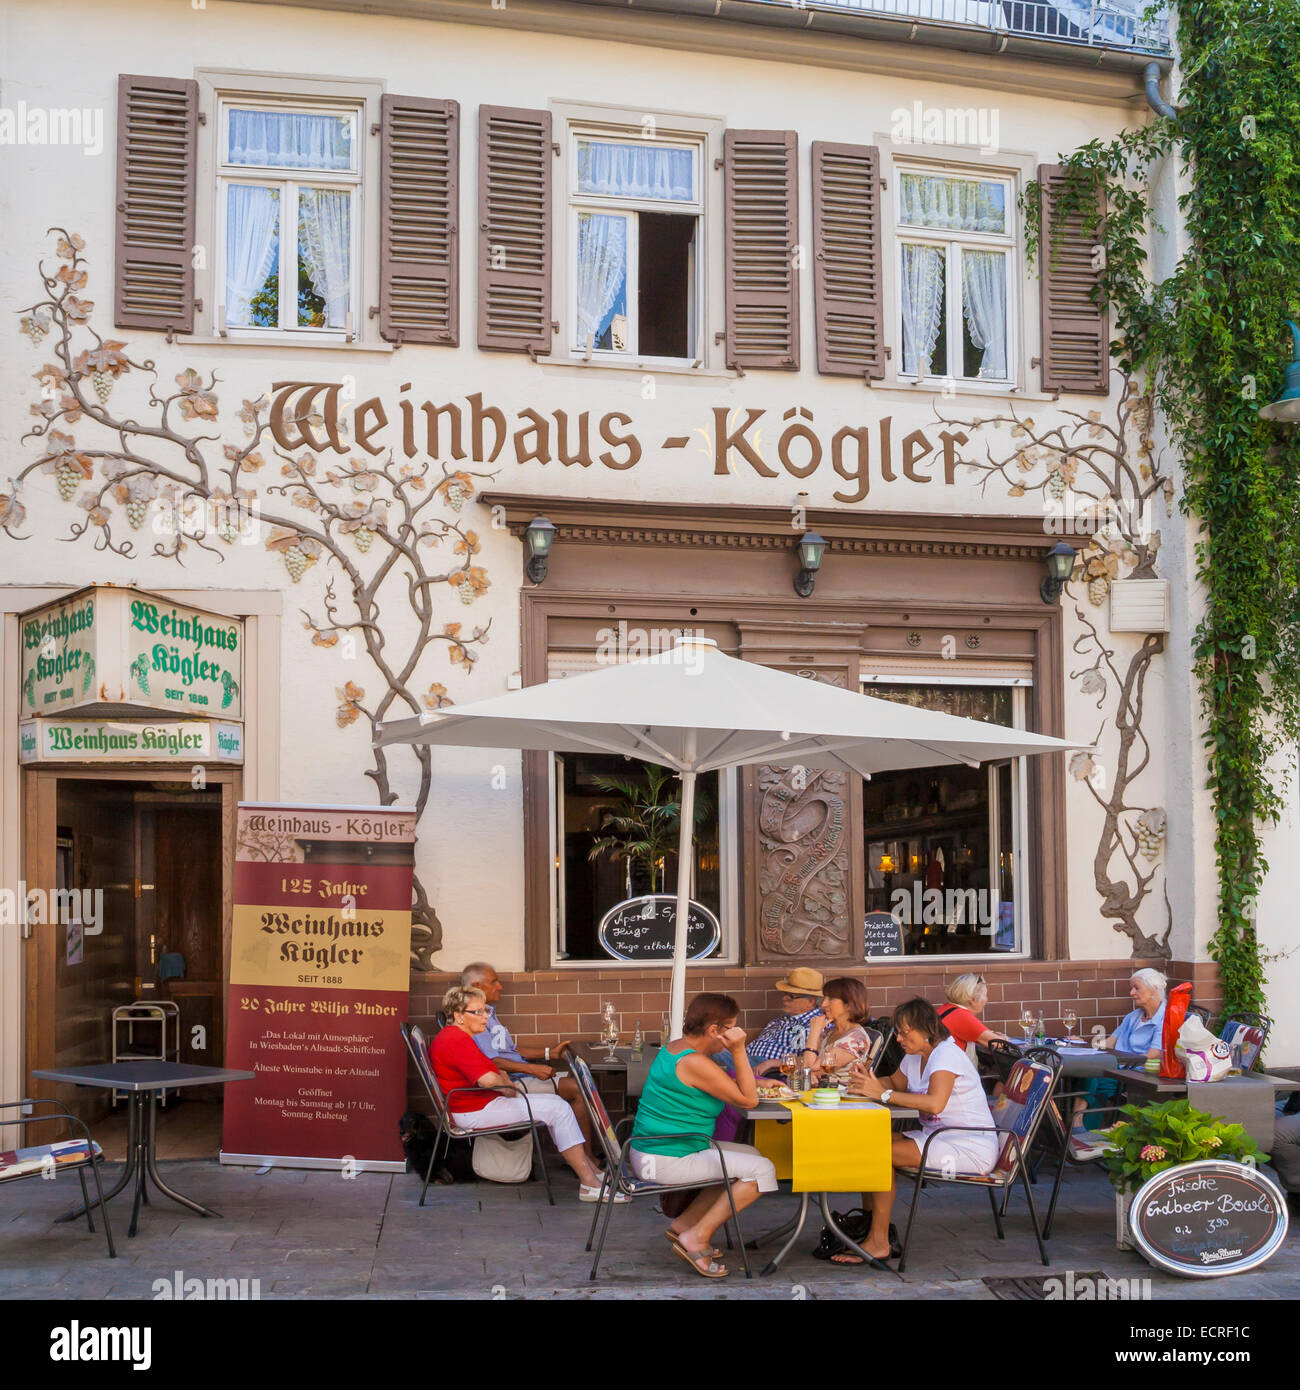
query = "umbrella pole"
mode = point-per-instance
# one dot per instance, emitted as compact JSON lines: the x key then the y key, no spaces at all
{"x":677,"y":989}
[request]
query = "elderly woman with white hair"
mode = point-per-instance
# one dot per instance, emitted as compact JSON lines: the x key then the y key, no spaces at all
{"x":1140,"y":1033}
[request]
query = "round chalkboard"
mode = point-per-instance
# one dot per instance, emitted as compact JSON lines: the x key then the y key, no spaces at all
{"x":884,"y":934}
{"x":1209,"y":1218}
{"x":643,"y":929}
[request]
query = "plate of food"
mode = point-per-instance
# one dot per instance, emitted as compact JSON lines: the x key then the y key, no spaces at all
{"x":775,"y":1090}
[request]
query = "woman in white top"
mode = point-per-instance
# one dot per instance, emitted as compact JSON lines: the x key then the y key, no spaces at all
{"x":936,"y":1078}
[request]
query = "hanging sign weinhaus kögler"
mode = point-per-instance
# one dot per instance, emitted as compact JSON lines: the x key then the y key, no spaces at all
{"x":129,"y":650}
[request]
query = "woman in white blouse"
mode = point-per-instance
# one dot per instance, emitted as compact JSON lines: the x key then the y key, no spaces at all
{"x":937,"y":1078}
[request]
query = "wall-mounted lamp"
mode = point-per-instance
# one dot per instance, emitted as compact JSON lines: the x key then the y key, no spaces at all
{"x":811,"y":549}
{"x":540,"y":535}
{"x":1060,"y":566}
{"x":1286,"y":408}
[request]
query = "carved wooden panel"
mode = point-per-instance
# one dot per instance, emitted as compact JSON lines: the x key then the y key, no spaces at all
{"x":803,"y":873}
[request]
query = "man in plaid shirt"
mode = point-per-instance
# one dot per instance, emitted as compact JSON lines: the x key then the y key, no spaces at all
{"x":801,"y":997}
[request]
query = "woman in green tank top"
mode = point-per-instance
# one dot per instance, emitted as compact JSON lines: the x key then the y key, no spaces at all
{"x":683,"y":1096}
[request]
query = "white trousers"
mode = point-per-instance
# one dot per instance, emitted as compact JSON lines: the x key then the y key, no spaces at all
{"x":744,"y":1163}
{"x":556,"y":1114}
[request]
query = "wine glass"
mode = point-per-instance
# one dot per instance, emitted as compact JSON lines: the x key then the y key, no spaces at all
{"x":611,"y":1037}
{"x":1071,"y":1020}
{"x":789,"y":1065}
{"x":1027,"y":1022}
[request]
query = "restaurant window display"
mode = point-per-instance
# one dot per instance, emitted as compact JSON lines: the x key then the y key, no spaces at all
{"x":616,"y":836}
{"x":944,"y":846}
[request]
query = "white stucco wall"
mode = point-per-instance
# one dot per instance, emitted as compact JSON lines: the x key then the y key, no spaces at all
{"x":471,"y":836}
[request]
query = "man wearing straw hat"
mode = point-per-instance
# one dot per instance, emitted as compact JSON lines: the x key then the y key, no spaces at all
{"x":801,"y":997}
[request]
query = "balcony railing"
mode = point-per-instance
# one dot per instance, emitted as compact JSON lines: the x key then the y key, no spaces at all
{"x":1092,"y":23}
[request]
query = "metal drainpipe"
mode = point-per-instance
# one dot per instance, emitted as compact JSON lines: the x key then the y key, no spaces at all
{"x":1151,"y":80}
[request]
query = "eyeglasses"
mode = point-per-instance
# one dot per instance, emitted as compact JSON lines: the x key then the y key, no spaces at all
{"x":478,"y":1013}
{"x":796,"y":998}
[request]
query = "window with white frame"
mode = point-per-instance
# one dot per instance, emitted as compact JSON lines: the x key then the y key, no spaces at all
{"x":956,"y":275}
{"x":288,"y":214}
{"x":635,"y":213}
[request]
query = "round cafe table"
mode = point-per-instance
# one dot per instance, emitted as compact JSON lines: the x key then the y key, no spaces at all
{"x":143,"y":1081}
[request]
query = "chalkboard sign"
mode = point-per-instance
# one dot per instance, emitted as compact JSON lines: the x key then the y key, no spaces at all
{"x":643,"y":929}
{"x":1209,"y":1218}
{"x":884,"y":934}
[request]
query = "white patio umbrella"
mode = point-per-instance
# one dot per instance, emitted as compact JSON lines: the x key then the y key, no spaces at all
{"x":695,"y":709}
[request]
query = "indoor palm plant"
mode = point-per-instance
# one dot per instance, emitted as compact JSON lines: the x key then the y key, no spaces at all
{"x":643,"y":828}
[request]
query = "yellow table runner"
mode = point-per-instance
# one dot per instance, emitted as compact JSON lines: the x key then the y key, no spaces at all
{"x":843,"y":1149}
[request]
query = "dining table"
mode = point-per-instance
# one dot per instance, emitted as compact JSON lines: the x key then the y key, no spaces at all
{"x":820,"y":1150}
{"x":143,"y":1081}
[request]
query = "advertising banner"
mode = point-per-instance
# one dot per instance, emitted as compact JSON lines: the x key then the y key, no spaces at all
{"x":320,"y":962}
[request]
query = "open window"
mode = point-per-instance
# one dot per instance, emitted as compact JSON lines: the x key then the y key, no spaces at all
{"x":635,"y":216}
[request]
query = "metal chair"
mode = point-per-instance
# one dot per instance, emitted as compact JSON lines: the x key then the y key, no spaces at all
{"x":1026,"y":1098}
{"x":1250,"y":1030}
{"x":618,"y":1179}
{"x":447,"y":1128}
{"x":43,"y":1160}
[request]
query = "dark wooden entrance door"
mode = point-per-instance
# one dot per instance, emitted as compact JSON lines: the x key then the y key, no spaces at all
{"x":160,"y":853}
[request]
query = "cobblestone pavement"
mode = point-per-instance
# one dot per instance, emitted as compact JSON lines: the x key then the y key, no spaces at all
{"x":316,"y":1235}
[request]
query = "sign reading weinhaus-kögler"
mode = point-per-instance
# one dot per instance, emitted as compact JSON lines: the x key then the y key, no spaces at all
{"x":122,"y":647}
{"x":123,"y":741}
{"x":320,"y":961}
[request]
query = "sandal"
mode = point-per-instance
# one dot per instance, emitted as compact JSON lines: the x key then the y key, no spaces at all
{"x":713,"y":1270}
{"x":674,"y":1237}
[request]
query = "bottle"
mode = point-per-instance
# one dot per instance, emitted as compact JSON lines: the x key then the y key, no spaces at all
{"x":1040,"y":1029}
{"x":638,"y":1041}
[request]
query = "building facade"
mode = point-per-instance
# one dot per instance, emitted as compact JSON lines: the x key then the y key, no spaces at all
{"x":337,"y":304}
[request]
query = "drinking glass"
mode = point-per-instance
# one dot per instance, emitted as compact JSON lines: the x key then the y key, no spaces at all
{"x":789,"y":1065}
{"x":1071,"y":1021}
{"x":664,"y":1034}
{"x":611,"y":1036}
{"x":1027,"y":1023}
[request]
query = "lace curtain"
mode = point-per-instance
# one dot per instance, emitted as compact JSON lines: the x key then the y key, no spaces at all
{"x":643,"y":170}
{"x":252,"y":246}
{"x":984,"y":303}
{"x":602,"y":273}
{"x":325,"y":244}
{"x":289,"y":140}
{"x":923,"y":270}
{"x":956,"y":205}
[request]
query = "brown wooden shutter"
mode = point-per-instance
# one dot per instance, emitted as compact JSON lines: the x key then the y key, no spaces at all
{"x":846,"y":260}
{"x":418,"y":215}
{"x":514,"y":244}
{"x":761,"y":182}
{"x":157,"y":138}
{"x":1076,"y":330}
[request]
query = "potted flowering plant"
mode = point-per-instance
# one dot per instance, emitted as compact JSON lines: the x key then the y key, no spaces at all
{"x":1152,"y":1138}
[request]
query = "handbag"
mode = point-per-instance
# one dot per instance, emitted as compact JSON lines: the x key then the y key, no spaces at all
{"x":498,"y":1159}
{"x":855,"y":1224}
